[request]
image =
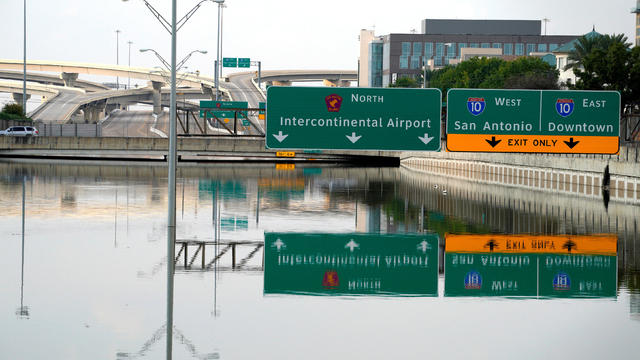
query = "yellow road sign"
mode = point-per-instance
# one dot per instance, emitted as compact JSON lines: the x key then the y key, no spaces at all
{"x":533,"y":143}
{"x":285,"y":154}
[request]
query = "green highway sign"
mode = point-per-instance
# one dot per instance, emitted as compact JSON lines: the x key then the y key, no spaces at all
{"x":229,"y":62}
{"x":244,"y":62}
{"x":208,"y":104}
{"x":351,"y":264}
{"x":542,"y":121}
{"x":218,"y":114}
{"x":353,"y":118}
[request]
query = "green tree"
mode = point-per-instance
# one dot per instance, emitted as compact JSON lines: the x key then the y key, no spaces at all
{"x":495,"y":73}
{"x":405,"y":82}
{"x":588,"y":43}
{"x":610,"y":65}
{"x":13,"y":109}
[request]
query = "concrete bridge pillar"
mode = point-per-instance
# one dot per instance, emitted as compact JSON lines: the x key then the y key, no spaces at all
{"x":17,"y":97}
{"x":209,"y":91}
{"x":86,"y":110}
{"x":157,"y":96}
{"x":69,"y":79}
{"x":336,"y":83}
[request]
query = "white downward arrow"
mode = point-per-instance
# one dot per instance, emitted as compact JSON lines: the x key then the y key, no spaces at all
{"x":280,"y":137}
{"x":353,"y":138}
{"x":426,"y":139}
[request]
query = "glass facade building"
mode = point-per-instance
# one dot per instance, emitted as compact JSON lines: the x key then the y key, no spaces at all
{"x":403,"y":55}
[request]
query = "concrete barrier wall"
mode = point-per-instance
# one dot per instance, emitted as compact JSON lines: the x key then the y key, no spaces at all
{"x":627,"y":163}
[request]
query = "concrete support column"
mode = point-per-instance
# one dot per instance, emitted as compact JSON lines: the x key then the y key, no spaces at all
{"x":17,"y":97}
{"x":86,"y":110}
{"x":209,"y":91}
{"x":69,"y":79}
{"x":157,"y":96}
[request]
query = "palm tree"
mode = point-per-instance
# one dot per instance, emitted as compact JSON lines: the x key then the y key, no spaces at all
{"x":589,"y":42}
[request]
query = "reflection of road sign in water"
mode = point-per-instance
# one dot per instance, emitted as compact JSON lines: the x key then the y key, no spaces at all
{"x":351,"y":264}
{"x":536,"y":121}
{"x":318,"y":118}
{"x":564,"y":107}
{"x":475,"y":105}
{"x":530,"y":266}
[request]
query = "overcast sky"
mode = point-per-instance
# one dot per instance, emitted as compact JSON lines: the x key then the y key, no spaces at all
{"x":283,"y":34}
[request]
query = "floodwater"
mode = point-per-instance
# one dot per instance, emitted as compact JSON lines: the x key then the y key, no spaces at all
{"x":310,"y":263}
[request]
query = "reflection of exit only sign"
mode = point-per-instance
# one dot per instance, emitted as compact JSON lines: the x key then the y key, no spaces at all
{"x":546,"y":121}
{"x":316,"y":118}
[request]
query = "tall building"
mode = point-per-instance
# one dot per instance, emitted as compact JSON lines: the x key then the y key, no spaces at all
{"x":440,"y":44}
{"x":636,"y":10}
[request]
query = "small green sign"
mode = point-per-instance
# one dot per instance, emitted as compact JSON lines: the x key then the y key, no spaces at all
{"x":353,"y":118}
{"x":230,"y":62}
{"x":351,"y":264}
{"x":218,"y":114}
{"x":244,"y":62}
{"x":208,"y":104}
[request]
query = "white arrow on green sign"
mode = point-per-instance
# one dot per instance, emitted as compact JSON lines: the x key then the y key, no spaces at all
{"x":313,"y":118}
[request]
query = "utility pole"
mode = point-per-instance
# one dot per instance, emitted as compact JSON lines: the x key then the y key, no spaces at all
{"x":129,"y":64}
{"x":545,"y":20}
{"x":118,"y":56}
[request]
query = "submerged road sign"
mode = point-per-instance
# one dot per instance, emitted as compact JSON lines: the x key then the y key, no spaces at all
{"x":537,"y":121}
{"x":351,"y":264}
{"x":353,"y":119}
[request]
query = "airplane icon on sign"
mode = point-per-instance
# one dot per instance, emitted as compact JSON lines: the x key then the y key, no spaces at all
{"x":424,"y":246}
{"x":278,"y":244}
{"x":352,"y":245}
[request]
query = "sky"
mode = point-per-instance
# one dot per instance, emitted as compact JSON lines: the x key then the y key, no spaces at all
{"x":282,"y":34}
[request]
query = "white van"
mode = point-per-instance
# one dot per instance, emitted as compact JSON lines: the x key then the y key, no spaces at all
{"x":20,"y":131}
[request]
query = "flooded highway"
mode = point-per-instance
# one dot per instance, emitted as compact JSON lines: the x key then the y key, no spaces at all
{"x":272,"y":261}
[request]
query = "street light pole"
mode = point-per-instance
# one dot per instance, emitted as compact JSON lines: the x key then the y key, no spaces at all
{"x":171,"y":228}
{"x":24,"y":65}
{"x":171,"y":221}
{"x":118,"y":56}
{"x":129,"y":64}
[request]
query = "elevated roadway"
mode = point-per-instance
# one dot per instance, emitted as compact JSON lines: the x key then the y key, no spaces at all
{"x":104,"y":70}
{"x":48,"y":79}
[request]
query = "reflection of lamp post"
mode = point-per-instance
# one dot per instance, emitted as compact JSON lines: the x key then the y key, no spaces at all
{"x":172,"y":28}
{"x":23,"y":311}
{"x":24,"y":64}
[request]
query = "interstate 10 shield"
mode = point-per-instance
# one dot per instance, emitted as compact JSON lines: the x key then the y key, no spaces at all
{"x":475,"y":105}
{"x":564,"y":107}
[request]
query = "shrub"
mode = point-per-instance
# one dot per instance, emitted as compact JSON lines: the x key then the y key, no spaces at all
{"x":13,"y":108}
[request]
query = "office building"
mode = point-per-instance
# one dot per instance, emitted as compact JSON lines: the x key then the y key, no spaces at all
{"x":636,"y":10}
{"x":441,"y":43}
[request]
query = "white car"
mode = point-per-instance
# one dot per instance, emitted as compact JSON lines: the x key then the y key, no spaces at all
{"x":20,"y":131}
